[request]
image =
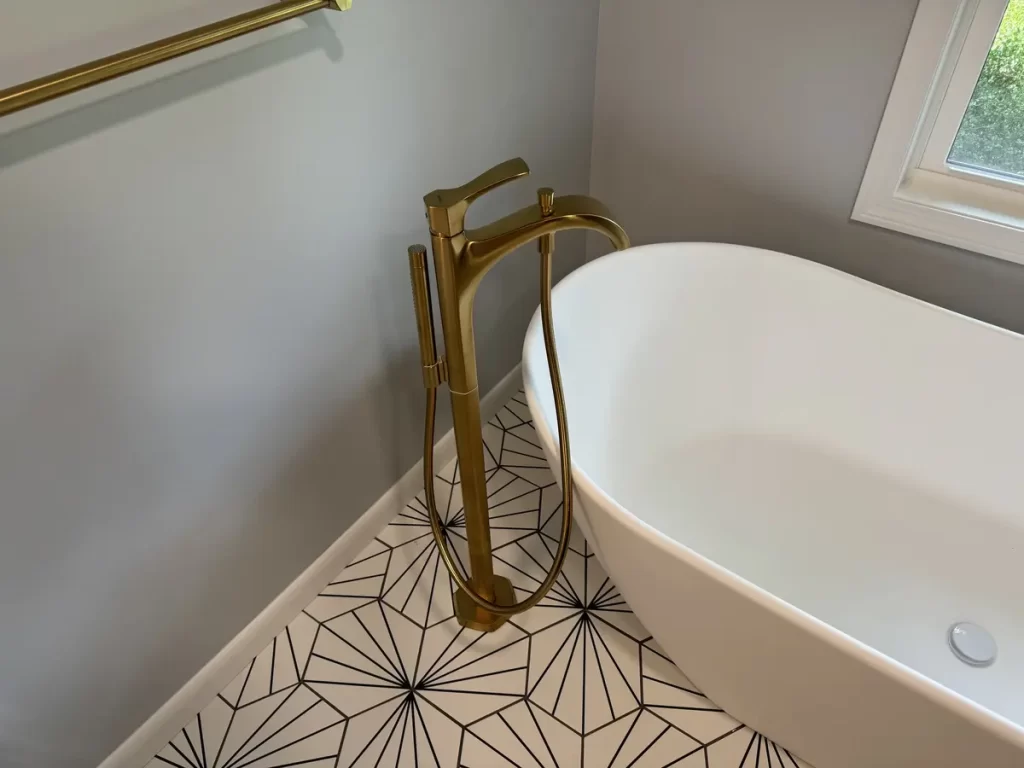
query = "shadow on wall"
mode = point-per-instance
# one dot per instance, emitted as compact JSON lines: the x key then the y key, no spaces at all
{"x":123,"y":106}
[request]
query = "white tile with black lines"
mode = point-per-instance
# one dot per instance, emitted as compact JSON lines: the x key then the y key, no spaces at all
{"x":376,"y":671}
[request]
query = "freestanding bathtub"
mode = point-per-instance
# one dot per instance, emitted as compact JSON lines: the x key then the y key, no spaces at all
{"x":799,"y":481}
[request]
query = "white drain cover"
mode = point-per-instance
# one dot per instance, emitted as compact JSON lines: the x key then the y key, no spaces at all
{"x":972,"y":644}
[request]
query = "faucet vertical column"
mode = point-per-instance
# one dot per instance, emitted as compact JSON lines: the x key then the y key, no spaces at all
{"x":460,"y":350}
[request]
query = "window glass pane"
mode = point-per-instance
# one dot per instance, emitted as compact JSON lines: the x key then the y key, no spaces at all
{"x":991,"y":135}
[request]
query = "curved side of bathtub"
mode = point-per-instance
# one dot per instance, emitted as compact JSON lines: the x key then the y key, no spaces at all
{"x":774,"y":668}
{"x":824,"y":695}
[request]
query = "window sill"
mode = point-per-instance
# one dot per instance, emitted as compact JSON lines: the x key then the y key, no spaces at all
{"x":972,"y":215}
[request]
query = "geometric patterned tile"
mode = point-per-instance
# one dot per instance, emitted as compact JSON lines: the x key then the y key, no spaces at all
{"x":376,"y":671}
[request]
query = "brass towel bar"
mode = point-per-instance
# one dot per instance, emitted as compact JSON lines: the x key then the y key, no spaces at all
{"x":70,"y":80}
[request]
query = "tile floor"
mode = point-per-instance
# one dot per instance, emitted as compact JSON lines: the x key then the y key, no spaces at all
{"x":377,"y":672}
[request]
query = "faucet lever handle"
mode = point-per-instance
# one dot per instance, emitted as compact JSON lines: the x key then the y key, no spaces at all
{"x":446,"y":208}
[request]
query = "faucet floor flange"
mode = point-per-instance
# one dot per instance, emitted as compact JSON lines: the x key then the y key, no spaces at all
{"x":472,"y":616}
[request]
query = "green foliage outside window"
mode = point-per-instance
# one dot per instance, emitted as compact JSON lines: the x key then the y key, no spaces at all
{"x":992,"y":132}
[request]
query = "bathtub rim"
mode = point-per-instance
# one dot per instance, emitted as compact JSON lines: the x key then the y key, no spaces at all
{"x":976,"y":713}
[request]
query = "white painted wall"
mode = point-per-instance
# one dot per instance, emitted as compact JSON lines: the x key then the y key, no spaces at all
{"x":751,"y":122}
{"x":207,"y":351}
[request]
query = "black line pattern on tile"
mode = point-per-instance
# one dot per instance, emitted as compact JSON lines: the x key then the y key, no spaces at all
{"x":377,"y":672}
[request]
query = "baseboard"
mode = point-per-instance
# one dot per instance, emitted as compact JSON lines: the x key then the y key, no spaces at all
{"x":153,"y":735}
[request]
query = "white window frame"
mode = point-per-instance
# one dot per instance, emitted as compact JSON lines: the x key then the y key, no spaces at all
{"x":908,"y":185}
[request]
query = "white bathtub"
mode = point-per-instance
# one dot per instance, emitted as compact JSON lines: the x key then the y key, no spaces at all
{"x":799,"y":481}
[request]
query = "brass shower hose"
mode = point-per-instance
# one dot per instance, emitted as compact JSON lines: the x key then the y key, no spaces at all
{"x":546,"y":249}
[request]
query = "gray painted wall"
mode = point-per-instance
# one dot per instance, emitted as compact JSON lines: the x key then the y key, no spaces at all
{"x":207,"y":343}
{"x":751,"y":122}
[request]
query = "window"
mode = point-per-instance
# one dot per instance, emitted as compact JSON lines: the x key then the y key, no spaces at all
{"x":948,"y":161}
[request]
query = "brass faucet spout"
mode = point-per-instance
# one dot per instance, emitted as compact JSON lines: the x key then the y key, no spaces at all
{"x":486,"y":245}
{"x":569,"y":212}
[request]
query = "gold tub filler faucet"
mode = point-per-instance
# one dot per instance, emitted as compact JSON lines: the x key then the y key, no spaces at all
{"x":462,"y":257}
